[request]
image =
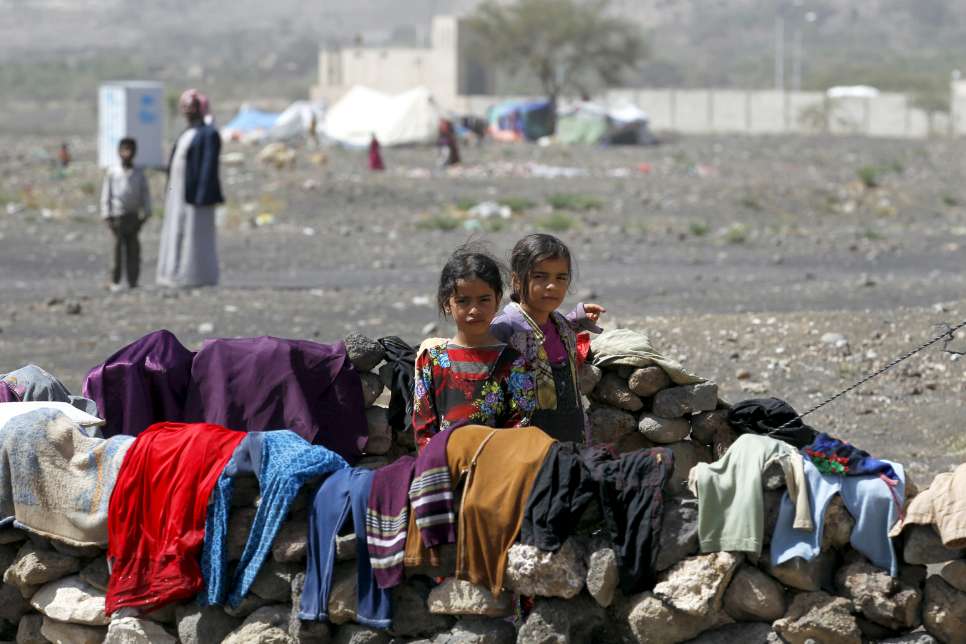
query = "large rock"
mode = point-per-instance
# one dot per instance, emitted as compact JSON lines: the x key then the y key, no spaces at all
{"x":955,"y":574}
{"x":28,"y":630}
{"x":808,"y":575}
{"x":753,"y":596}
{"x":663,"y":430}
{"x":64,"y":633}
{"x":200,"y":625}
{"x":458,"y":597}
{"x":411,"y":616}
{"x":647,"y":381}
{"x":608,"y":425}
{"x":879,"y":597}
{"x":131,"y":630}
{"x":679,"y":531}
{"x":357,"y":634}
{"x":686,"y":456}
{"x":78,"y":552}
{"x":923,"y":546}
{"x":944,"y":610}
{"x":745,"y":633}
{"x":772,"y":502}
{"x":305,"y":631}
{"x":681,"y":401}
{"x":11,"y":535}
{"x":651,"y":621}
{"x":837,"y":529}
{"x":587,"y":377}
{"x":819,"y":617}
{"x":345,"y":547}
{"x":13,"y":606}
{"x":602,"y":576}
{"x":245,"y":491}
{"x":917,"y":637}
{"x":33,"y":567}
{"x":71,"y":600}
{"x":249,"y":604}
{"x":344,"y":597}
{"x":479,"y":630}
{"x":291,"y":542}
{"x":96,"y":573}
{"x":267,"y":625}
{"x":706,"y":425}
{"x":613,"y":391}
{"x":364,"y":353}
{"x":371,"y":388}
{"x":380,"y":434}
{"x":554,"y":621}
{"x":531,"y":571}
{"x":239,"y":525}
{"x":696,"y":586}
{"x":631,"y":443}
{"x":274,"y":580}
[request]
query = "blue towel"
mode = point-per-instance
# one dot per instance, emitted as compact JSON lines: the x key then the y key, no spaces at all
{"x":873,"y":502}
{"x":283,"y":462}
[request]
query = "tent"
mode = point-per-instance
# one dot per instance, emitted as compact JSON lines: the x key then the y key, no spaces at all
{"x":588,"y":122}
{"x":410,"y":117}
{"x":249,"y":124}
{"x":521,"y":120}
{"x":297,"y":120}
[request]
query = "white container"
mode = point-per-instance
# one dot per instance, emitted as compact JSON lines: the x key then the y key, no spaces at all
{"x":135,"y":109}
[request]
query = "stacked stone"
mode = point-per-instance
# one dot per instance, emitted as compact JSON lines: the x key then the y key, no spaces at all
{"x":52,"y":592}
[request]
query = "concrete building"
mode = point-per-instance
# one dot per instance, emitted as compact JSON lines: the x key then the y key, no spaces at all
{"x":445,"y":67}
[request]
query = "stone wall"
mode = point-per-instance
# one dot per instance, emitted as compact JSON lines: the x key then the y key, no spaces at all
{"x":53,"y":592}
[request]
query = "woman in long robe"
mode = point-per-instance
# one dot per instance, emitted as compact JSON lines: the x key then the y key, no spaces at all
{"x":188,"y":255}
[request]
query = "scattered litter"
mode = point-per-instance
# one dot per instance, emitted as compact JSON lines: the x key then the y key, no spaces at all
{"x":264,"y":219}
{"x":420,"y":300}
{"x":487,"y":209}
{"x":277,"y":154}
{"x":231,"y":308}
{"x":233,"y":158}
{"x":308,"y":231}
{"x":206,"y":328}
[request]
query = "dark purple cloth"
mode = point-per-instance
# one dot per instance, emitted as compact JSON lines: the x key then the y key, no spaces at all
{"x":253,"y":384}
{"x":7,"y":394}
{"x":144,"y":383}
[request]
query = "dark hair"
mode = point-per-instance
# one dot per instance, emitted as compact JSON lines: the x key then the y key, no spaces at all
{"x":471,"y":261}
{"x":128,"y":142}
{"x":530,"y":251}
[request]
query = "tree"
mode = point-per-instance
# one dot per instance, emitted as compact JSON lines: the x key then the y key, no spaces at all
{"x":569,"y":46}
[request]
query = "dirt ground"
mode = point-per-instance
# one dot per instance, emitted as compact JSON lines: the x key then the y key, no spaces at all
{"x":775,"y":266}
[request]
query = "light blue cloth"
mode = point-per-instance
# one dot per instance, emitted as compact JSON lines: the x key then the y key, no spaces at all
{"x":283,"y":462}
{"x":869,"y":499}
{"x":344,"y":492}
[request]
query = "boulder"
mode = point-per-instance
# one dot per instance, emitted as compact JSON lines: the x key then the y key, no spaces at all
{"x":924,"y":546}
{"x":356,"y":634}
{"x":345,"y":547}
{"x":364,"y":353}
{"x":587,"y":377}
{"x":696,"y":585}
{"x":479,"y":630}
{"x":10,"y":534}
{"x":131,"y":630}
{"x":305,"y":631}
{"x":63,"y":633}
{"x":371,"y":388}
{"x":651,"y":621}
{"x":679,"y":531}
{"x":613,"y":391}
{"x":274,"y":580}
{"x":71,"y":600}
{"x":458,"y":597}
{"x":707,"y":425}
{"x":200,"y":625}
{"x":773,"y":476}
{"x":819,"y":617}
{"x":954,"y":573}
{"x":602,"y":576}
{"x":663,"y":430}
{"x":837,"y":528}
{"x":531,"y":571}
{"x":808,"y":575}
{"x":380,"y":434}
{"x":555,"y":621}
{"x":686,"y":456}
{"x":343,"y":599}
{"x":608,"y":425}
{"x":745,"y":632}
{"x":291,"y":542}
{"x":917,"y":637}
{"x":249,"y":604}
{"x":631,"y":443}
{"x":245,"y":491}
{"x":267,"y":625}
{"x":96,"y":574}
{"x":753,"y":596}
{"x":33,"y":567}
{"x":13,"y":605}
{"x":944,"y":610}
{"x":647,"y":381}
{"x":411,"y":615}
{"x":78,"y":552}
{"x":29,"y":630}
{"x":879,"y":597}
{"x":239,"y":525}
{"x":687,"y":399}
{"x":772,"y":503}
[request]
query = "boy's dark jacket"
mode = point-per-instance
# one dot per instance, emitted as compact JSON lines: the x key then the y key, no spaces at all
{"x":202,"y":186}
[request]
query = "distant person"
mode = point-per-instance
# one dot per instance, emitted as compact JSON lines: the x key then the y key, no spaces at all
{"x":449,"y":151}
{"x":125,"y":206}
{"x":375,"y":156}
{"x":63,"y":155}
{"x":188,"y":256}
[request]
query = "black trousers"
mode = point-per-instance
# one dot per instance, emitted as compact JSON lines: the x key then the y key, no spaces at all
{"x":127,"y":248}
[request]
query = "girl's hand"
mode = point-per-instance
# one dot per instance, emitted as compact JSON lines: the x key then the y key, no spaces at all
{"x":594,"y":311}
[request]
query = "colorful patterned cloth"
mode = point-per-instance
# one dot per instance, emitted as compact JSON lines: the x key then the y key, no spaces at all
{"x":458,"y":386}
{"x":832,"y":456}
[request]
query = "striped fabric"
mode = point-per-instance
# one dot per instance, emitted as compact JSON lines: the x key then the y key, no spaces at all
{"x":422,"y":482}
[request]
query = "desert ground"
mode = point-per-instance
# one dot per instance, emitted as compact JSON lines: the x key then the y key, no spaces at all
{"x":779,"y":266}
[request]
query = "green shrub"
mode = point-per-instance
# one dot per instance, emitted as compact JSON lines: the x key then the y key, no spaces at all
{"x":438,"y":222}
{"x":558,"y":222}
{"x":574,"y":202}
{"x":698,"y":228}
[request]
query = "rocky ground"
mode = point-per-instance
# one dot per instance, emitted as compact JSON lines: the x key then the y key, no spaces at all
{"x":778,"y":266}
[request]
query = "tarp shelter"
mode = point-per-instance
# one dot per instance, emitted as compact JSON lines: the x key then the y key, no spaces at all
{"x":588,"y":122}
{"x":410,"y":117}
{"x":521,"y":120}
{"x":252,"y":125}
{"x":249,"y":124}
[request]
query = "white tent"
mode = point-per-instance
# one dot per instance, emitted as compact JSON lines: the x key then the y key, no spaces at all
{"x":410,"y":117}
{"x":296,"y":121}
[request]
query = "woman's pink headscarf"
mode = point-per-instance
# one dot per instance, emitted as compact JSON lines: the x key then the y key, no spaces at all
{"x":190,"y":96}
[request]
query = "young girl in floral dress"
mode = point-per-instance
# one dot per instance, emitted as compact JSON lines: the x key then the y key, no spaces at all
{"x":471,"y":378}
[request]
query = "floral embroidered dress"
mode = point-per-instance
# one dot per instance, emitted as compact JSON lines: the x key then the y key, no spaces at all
{"x":470,"y":386}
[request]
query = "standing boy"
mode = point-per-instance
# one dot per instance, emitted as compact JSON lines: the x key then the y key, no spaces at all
{"x":125,"y":206}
